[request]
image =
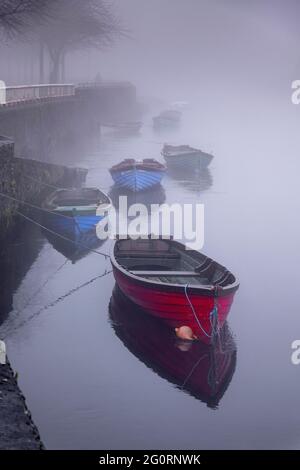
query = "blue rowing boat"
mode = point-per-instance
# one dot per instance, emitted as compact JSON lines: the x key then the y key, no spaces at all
{"x":136,"y":175}
{"x":74,"y":211}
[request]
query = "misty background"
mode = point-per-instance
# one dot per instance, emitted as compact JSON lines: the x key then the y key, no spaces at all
{"x":181,"y":48}
{"x":234,"y":62}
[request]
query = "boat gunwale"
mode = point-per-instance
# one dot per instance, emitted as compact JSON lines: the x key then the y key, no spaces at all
{"x":193,"y":152}
{"x":138,"y":165}
{"x":56,"y":208}
{"x":208,"y":291}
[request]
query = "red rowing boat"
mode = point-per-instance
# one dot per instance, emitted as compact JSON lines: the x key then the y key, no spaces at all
{"x":182,"y":287}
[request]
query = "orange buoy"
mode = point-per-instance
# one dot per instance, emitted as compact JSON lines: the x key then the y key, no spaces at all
{"x":186,"y":333}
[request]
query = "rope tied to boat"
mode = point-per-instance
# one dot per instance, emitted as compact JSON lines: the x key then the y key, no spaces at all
{"x":92,"y":250}
{"x":214,"y":320}
{"x":213,"y":316}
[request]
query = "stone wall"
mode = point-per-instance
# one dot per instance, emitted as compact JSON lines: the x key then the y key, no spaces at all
{"x":17,"y":429}
{"x":28,"y":180}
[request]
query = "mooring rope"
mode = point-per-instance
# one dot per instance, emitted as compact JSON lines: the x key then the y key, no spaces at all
{"x":193,"y":370}
{"x":213,"y":317}
{"x":33,"y":206}
{"x":212,"y":374}
{"x":106,"y":256}
{"x":57,"y":301}
{"x":46,"y":228}
{"x":18,"y":311}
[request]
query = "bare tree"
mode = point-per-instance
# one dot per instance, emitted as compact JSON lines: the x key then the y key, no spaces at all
{"x":77,"y":24}
{"x":18,"y":15}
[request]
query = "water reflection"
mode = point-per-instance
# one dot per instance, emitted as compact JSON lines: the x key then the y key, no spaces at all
{"x":192,"y":178}
{"x":77,"y":247}
{"x":123,"y":129}
{"x":167,"y":119}
{"x":203,"y":371}
{"x":16,"y":258}
{"x":155,"y":195}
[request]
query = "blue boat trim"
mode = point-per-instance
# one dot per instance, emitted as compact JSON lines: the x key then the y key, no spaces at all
{"x":137,"y":179}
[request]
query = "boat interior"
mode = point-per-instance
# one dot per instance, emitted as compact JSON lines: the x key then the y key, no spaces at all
{"x":146,"y":163}
{"x":169,"y":262}
{"x":78,"y":197}
{"x":178,"y":149}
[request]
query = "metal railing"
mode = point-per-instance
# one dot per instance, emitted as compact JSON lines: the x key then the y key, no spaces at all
{"x":18,"y":94}
{"x":14,"y":95}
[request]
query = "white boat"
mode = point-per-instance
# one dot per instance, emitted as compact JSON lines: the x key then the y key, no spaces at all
{"x":170,"y":117}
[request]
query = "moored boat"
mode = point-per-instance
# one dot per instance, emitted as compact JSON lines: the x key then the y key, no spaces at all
{"x":74,"y":211}
{"x":203,"y":371}
{"x":169,"y":117}
{"x":182,"y":287}
{"x":184,"y":155}
{"x":135,"y":175}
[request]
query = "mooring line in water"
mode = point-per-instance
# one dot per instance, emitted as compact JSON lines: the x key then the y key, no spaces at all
{"x":18,"y":311}
{"x":193,"y":370}
{"x":106,"y":256}
{"x":55,"y":302}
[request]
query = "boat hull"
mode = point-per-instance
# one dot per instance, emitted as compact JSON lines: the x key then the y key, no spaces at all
{"x":72,"y":226}
{"x":75,"y":211}
{"x":195,"y":160}
{"x":173,"y":307}
{"x":137,"y":179}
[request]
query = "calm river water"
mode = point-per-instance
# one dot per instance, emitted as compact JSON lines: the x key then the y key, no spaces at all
{"x":95,"y":378}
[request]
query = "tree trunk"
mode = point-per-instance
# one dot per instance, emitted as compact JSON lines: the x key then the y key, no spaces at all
{"x":55,"y":66}
{"x":63,"y":67}
{"x":32,"y":69}
{"x":42,"y":63}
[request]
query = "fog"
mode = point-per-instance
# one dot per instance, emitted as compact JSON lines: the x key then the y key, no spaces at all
{"x":195,"y":47}
{"x":189,"y":48}
{"x":233,"y":61}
